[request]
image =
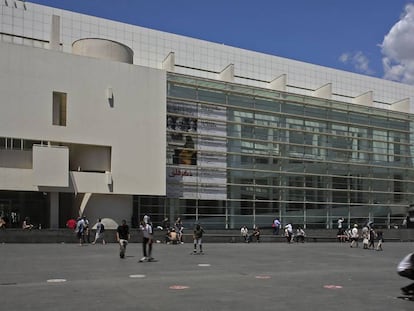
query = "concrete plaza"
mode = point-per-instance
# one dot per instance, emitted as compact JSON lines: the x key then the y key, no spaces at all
{"x":239,"y":276}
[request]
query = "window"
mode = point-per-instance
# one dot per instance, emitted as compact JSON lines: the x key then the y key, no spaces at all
{"x":59,"y":108}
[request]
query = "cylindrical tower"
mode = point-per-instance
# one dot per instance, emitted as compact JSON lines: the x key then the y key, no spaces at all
{"x":103,"y":49}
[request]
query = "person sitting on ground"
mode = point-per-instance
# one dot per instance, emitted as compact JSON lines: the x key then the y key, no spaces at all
{"x":289,"y":233}
{"x":172,"y":237}
{"x":256,"y":234}
{"x":300,"y":235}
{"x":26,"y":224}
{"x":2,"y":223}
{"x":244,"y":232}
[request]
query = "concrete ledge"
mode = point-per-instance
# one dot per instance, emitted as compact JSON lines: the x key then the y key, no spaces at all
{"x":211,"y":236}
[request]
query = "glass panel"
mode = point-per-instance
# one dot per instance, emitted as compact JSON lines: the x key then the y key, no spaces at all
{"x":240,"y":101}
{"x":181,"y":91}
{"x":211,"y":96}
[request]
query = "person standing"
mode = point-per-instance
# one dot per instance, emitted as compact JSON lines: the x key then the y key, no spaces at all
{"x":80,"y":227}
{"x":380,"y":238}
{"x":100,"y":229}
{"x":198,"y":238}
{"x":179,"y":228}
{"x":341,"y":232}
{"x":147,"y":241}
{"x":122,"y":236}
{"x":406,"y":269}
{"x":372,"y":236}
{"x":86,"y":231}
{"x":365,"y":237}
{"x":354,"y":236}
{"x":276,"y":226}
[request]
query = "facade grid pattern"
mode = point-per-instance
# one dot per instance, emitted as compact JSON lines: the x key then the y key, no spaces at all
{"x":262,"y":154}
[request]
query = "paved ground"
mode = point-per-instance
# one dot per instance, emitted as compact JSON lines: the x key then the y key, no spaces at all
{"x":265,"y":276}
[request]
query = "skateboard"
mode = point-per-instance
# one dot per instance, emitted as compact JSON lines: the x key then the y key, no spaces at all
{"x":406,"y":297}
{"x":148,"y":260}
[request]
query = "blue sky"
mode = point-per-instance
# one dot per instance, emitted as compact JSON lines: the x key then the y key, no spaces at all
{"x":371,"y":37}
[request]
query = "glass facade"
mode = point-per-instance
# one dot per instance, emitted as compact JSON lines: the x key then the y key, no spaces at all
{"x":242,"y":155}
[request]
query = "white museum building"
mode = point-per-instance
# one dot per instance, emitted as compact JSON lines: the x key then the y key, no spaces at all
{"x":115,"y":121}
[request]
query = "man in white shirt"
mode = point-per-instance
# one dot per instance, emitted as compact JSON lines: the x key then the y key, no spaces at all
{"x":244,"y":232}
{"x":354,"y":236}
{"x":147,"y":240}
{"x":289,"y":232}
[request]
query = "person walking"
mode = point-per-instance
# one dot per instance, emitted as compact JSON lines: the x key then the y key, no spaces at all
{"x":100,"y":229}
{"x":147,"y":241}
{"x":122,"y":236}
{"x":198,"y":238}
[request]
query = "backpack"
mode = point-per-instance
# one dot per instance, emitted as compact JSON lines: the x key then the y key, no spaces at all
{"x":102,"y":228}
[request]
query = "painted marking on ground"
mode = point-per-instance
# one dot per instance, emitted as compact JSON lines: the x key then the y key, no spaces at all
{"x":204,"y":265}
{"x":263,"y":277}
{"x":56,"y":280}
{"x":332,"y":286}
{"x":179,"y":287}
{"x":137,"y":276}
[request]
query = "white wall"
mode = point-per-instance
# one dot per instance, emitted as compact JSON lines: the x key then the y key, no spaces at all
{"x":110,"y":207}
{"x":134,"y":127}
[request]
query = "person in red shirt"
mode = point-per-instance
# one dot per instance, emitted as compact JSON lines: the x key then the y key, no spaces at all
{"x":71,"y":224}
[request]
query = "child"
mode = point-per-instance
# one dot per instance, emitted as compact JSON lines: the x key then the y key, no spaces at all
{"x":406,"y":269}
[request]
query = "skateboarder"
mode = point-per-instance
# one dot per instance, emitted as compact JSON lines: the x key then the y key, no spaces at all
{"x":406,"y":269}
{"x":122,"y":236}
{"x":147,"y":240}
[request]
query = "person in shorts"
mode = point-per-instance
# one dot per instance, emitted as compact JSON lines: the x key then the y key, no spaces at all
{"x":122,"y":236}
{"x":100,"y":232}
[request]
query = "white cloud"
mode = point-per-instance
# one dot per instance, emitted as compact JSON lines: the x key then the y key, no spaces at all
{"x":358,"y":60}
{"x":344,"y":58}
{"x":398,"y":49}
